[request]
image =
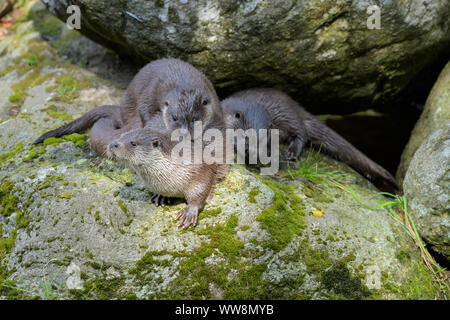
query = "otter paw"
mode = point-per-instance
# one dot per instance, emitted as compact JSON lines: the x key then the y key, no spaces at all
{"x":188,"y":216}
{"x":290,"y":155}
{"x":159,"y":200}
{"x":294,"y":149}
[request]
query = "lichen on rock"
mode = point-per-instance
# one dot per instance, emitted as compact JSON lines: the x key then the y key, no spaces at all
{"x":86,"y":223}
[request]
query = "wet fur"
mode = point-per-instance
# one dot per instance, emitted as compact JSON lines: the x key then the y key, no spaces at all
{"x":171,"y":86}
{"x":298,"y":127}
{"x":165,"y":176}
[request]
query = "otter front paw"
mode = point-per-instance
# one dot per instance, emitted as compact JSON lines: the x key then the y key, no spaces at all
{"x":159,"y":200}
{"x":188,"y":216}
{"x":290,"y":155}
{"x":293,"y":150}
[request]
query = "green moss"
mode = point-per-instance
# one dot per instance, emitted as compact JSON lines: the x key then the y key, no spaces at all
{"x":18,"y":148}
{"x":316,"y":193}
{"x":33,"y":78}
{"x":284,"y":218}
{"x":68,"y":85}
{"x":65,"y":195}
{"x":52,"y":140}
{"x":122,"y":206}
{"x":403,"y":256}
{"x":6,"y":245}
{"x":7,"y":199}
{"x":102,"y":289}
{"x":76,"y":138}
{"x":252,"y":194}
{"x":210,"y":213}
{"x":339,"y":280}
{"x":22,"y":220}
{"x":418,"y":286}
{"x":52,"y":111}
{"x":97,"y":215}
{"x":45,"y":23}
{"x":33,"y":153}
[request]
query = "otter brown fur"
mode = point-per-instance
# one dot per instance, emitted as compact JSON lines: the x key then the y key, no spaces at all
{"x":148,"y":153}
{"x":171,"y":90}
{"x":265,"y":108}
{"x":175,"y":89}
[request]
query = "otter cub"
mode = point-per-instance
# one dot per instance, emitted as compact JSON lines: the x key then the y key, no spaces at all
{"x":149,"y":153}
{"x":175,"y":89}
{"x":273,"y":109}
{"x":170,"y":90}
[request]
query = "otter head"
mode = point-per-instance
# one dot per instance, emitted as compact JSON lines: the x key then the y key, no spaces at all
{"x":182,"y":108}
{"x":139,"y":147}
{"x":245,"y":115}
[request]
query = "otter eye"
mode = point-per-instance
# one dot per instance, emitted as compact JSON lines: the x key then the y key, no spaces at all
{"x":237,"y":115}
{"x":195,"y":119}
{"x":205,"y":102}
{"x":155,"y":143}
{"x":175,"y":118}
{"x":166,"y":103}
{"x":133,"y":143}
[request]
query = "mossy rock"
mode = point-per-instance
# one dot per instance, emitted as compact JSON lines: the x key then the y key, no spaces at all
{"x":435,"y":114}
{"x":427,"y":185}
{"x":85,"y":227}
{"x":321,"y":52}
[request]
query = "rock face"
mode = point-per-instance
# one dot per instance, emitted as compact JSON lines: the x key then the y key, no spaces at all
{"x":425,"y":167}
{"x":435,"y":115}
{"x":6,"y":6}
{"x":427,"y":187}
{"x":321,"y":52}
{"x":73,"y":221}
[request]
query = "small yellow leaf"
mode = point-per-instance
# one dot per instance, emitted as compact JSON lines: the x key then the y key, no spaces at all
{"x":317,"y":214}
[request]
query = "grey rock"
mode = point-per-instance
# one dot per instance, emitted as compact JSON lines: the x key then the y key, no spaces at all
{"x":6,"y":6}
{"x":320,"y":52}
{"x":427,"y":188}
{"x":435,"y":115}
{"x":70,"y":219}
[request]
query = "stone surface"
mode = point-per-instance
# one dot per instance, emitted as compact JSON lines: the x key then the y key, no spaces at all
{"x":321,"y":52}
{"x":73,"y":225}
{"x":435,"y":114}
{"x":427,"y":187}
{"x":6,"y":6}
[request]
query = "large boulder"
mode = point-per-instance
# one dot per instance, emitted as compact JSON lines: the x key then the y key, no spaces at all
{"x":427,"y":187}
{"x":435,"y":115}
{"x":321,"y":52}
{"x":73,"y":225}
{"x":6,"y":6}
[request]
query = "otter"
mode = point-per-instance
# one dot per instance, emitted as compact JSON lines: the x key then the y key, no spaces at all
{"x":265,"y":108}
{"x":85,"y":122}
{"x":175,"y":89}
{"x":170,"y":90}
{"x":148,"y":153}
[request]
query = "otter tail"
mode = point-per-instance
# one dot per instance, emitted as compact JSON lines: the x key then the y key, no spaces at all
{"x":335,"y":145}
{"x":83,"y":123}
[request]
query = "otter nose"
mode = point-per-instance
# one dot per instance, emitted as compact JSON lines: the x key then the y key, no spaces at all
{"x":114,"y":145}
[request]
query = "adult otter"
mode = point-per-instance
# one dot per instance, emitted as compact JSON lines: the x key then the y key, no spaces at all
{"x":149,"y":153}
{"x":167,"y":88}
{"x":177,"y":90}
{"x":273,"y":109}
